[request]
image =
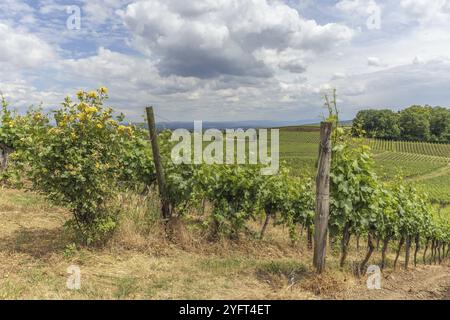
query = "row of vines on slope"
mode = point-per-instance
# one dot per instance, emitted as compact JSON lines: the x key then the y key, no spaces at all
{"x":363,"y":206}
{"x":80,"y":156}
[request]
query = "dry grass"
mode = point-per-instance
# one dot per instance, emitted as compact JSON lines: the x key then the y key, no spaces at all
{"x":141,"y":263}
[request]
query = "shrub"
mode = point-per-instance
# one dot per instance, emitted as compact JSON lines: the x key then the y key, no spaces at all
{"x":84,"y":159}
{"x":17,"y":136}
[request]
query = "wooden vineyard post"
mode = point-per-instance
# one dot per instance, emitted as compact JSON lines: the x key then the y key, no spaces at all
{"x":322,"y":197}
{"x":166,"y":213}
{"x":4,"y":155}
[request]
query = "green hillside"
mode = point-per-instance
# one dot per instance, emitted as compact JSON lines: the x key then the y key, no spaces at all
{"x":426,"y":165}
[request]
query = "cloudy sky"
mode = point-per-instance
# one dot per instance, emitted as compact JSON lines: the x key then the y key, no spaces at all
{"x":227,"y":59}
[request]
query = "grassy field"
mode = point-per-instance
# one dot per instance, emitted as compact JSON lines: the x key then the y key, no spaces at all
{"x":425,"y":165}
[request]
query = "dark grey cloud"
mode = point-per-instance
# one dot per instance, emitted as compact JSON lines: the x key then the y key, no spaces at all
{"x":294,"y":66}
{"x":207,"y":64}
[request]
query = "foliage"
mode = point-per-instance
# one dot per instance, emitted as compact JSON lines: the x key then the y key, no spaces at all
{"x":7,"y":133}
{"x":137,"y":169}
{"x":82,"y":160}
{"x":437,"y":188}
{"x":440,"y":124}
{"x":182,"y":186}
{"x":381,"y":124}
{"x":18,"y":134}
{"x":289,"y":196}
{"x":352,"y":187}
{"x":300,"y":207}
{"x":233,"y":191}
{"x":361,"y":204}
{"x":416,"y":123}
{"x":331,"y":105}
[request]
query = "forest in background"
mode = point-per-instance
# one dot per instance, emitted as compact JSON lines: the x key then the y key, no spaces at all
{"x":416,"y":123}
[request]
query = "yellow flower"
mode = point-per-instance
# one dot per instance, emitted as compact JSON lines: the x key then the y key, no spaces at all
{"x":87,"y":109}
{"x":82,"y":116}
{"x":80,"y":94}
{"x":82,"y":106}
{"x":92,"y":94}
{"x":99,"y":125}
{"x":91,"y":109}
{"x":104,"y":90}
{"x":97,"y":165}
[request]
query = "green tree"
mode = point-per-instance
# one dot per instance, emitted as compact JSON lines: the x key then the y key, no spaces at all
{"x":382,"y":124}
{"x":440,"y":124}
{"x":415,"y":123}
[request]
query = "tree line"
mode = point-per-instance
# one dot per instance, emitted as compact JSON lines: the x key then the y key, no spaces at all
{"x":416,"y":123}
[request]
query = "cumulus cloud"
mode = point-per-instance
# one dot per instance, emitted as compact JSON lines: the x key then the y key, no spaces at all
{"x":138,"y":73}
{"x":359,"y":7}
{"x":338,"y":75}
{"x":207,"y":39}
{"x":375,"y":62}
{"x":102,"y":11}
{"x":20,"y":92}
{"x":401,"y":86}
{"x":22,"y":49}
{"x":427,"y":11}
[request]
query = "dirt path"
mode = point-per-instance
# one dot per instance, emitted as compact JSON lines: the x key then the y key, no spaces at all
{"x":423,"y":282}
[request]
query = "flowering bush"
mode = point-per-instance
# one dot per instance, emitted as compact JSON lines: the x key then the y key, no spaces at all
{"x":17,"y":136}
{"x":85,"y":158}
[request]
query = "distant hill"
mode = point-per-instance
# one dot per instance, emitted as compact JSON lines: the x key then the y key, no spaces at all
{"x":345,"y":123}
{"x":294,"y":125}
{"x":189,"y":125}
{"x":312,"y":127}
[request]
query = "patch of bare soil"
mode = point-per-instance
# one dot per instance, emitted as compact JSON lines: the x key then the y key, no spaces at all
{"x":420,"y":283}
